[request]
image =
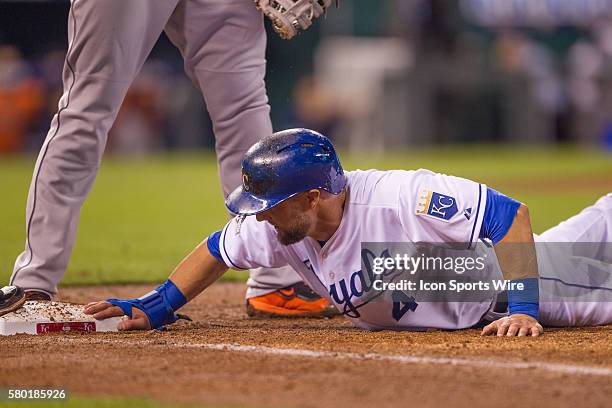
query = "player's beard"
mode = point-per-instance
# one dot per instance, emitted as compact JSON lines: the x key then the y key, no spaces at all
{"x":296,"y":232}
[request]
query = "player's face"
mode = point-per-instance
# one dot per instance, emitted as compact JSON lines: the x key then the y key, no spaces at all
{"x":289,"y":219}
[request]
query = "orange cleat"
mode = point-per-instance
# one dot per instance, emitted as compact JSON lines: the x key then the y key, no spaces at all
{"x":293,"y":301}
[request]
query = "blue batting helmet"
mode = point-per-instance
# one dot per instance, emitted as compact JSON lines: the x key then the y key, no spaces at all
{"x":284,"y":165}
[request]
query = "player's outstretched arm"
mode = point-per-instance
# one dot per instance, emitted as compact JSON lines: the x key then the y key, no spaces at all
{"x":194,"y":274}
{"x":517,"y":259}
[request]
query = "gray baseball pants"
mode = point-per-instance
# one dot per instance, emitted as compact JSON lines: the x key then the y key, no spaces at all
{"x":223,"y":45}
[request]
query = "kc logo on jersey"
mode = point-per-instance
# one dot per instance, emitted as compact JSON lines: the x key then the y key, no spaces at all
{"x":436,"y":205}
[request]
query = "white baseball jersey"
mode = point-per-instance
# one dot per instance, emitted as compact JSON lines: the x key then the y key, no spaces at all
{"x":422,"y":206}
{"x":381,"y":206}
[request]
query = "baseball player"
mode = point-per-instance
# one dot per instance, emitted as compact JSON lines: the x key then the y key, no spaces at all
{"x":223,"y":44}
{"x":298,"y":207}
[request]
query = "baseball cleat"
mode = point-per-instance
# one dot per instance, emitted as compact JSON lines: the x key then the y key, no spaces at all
{"x":11,"y":299}
{"x":37,"y":295}
{"x":293,"y":301}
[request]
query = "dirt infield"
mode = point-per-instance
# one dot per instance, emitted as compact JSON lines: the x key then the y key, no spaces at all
{"x":223,"y":357}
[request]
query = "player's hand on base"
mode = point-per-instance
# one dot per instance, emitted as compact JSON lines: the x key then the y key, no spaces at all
{"x":104,"y":310}
{"x":520,"y":325}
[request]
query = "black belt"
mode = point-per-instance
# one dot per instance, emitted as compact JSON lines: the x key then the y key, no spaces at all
{"x":501,"y":304}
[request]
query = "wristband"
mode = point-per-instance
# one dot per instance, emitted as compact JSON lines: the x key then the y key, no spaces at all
{"x":526,"y":301}
{"x":159,"y":305}
{"x":172,"y":295}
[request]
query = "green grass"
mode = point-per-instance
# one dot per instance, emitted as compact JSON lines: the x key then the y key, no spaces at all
{"x":78,"y":402}
{"x":144,"y":215}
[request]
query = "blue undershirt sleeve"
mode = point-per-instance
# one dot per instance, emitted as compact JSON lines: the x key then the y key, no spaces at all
{"x":499,"y":214}
{"x":213,"y":246}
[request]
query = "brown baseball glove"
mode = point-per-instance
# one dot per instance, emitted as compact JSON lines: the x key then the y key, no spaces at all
{"x":289,"y":17}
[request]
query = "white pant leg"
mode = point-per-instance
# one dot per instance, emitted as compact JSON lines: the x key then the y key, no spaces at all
{"x":224,"y":45}
{"x":109,"y":41}
{"x":266,"y":280}
{"x":575,"y":262}
{"x":592,"y":224}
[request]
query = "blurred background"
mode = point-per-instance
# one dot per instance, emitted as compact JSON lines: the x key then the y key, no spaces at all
{"x":514,"y":93}
{"x":373,"y":75}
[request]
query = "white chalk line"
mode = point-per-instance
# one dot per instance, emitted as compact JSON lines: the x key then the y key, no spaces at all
{"x":557,"y":368}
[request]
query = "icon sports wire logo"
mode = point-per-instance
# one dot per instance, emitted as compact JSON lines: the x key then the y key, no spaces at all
{"x":436,"y":205}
